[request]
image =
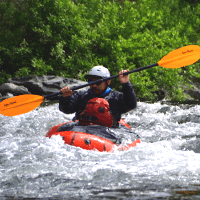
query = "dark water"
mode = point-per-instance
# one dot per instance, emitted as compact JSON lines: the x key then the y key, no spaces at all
{"x":166,"y":165}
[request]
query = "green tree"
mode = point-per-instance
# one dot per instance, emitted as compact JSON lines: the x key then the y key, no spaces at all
{"x":68,"y":37}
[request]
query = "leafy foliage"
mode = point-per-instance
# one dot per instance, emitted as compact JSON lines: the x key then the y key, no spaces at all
{"x":66,"y":38}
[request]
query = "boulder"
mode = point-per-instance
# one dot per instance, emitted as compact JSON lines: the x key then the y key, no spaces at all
{"x":13,"y":89}
{"x":164,"y":109}
{"x":193,"y":92}
{"x":39,"y":85}
{"x":44,"y":85}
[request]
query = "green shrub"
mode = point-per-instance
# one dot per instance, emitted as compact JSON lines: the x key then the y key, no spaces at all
{"x":67,"y":38}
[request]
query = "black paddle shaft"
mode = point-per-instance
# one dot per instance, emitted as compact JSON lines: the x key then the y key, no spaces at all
{"x":101,"y":80}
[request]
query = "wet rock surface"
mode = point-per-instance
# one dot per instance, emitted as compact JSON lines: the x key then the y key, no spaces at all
{"x":45,"y":85}
{"x":40,"y":85}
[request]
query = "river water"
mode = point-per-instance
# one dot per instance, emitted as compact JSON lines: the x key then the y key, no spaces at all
{"x":166,"y":165}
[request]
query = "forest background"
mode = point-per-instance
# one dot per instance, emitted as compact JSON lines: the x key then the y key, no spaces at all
{"x":68,"y":37}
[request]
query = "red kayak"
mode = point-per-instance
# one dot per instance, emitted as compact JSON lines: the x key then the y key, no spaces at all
{"x":96,"y":137}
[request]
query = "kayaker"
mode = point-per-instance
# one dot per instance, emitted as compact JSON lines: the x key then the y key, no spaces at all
{"x":119,"y":102}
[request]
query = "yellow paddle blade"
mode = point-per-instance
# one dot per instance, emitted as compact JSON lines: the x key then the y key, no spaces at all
{"x":181,"y":57}
{"x":20,"y":104}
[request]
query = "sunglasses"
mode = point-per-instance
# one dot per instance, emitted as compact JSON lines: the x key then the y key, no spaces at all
{"x":90,"y":81}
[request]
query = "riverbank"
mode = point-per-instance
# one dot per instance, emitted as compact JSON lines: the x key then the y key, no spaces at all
{"x":67,"y":38}
{"x":45,"y":85}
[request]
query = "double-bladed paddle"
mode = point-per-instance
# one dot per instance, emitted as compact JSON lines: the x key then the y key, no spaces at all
{"x":17,"y":105}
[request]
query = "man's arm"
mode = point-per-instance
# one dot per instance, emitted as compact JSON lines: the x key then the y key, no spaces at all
{"x":130,"y":101}
{"x":69,"y":104}
{"x":129,"y":96}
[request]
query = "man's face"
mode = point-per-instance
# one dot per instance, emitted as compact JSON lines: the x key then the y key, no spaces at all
{"x":99,"y":89}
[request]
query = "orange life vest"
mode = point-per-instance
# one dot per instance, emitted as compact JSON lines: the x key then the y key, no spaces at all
{"x":96,"y":112}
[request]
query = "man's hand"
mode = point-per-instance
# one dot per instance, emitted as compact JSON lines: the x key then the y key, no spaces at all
{"x":66,"y":92}
{"x":123,"y":79}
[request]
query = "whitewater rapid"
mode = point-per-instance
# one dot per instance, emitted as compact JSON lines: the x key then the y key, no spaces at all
{"x":166,"y":164}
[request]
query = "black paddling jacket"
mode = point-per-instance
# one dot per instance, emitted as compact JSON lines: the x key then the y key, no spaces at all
{"x":119,"y":102}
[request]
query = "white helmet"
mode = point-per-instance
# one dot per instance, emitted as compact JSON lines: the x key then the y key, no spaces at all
{"x":98,"y":72}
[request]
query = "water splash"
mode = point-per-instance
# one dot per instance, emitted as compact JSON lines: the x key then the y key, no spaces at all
{"x":166,"y":162}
